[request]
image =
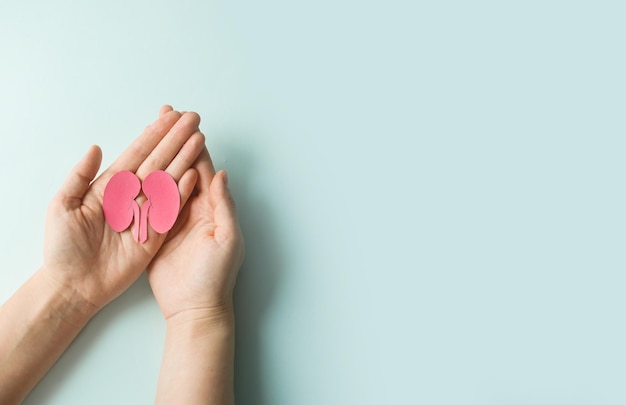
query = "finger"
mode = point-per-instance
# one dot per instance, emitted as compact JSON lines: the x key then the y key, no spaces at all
{"x":186,"y":185}
{"x":206,"y":171}
{"x":186,"y":156}
{"x":143,"y":146}
{"x":165,"y":109}
{"x":224,"y":211}
{"x":77,"y":183}
{"x":170,"y":145}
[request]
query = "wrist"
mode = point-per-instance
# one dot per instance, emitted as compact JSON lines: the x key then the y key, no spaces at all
{"x":198,"y":357}
{"x":69,"y":304}
{"x":199,"y":321}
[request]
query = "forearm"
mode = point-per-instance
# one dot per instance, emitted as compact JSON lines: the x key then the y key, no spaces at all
{"x":198,"y":360}
{"x":36,"y":325}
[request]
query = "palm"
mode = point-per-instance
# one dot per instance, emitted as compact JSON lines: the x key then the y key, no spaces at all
{"x":84,"y":245}
{"x":176,"y":273}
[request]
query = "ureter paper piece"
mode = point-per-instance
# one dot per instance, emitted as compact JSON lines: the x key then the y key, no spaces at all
{"x":145,"y":208}
{"x":160,"y":210}
{"x":136,"y":226}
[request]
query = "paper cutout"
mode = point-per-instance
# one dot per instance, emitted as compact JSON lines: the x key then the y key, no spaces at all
{"x":160,"y":209}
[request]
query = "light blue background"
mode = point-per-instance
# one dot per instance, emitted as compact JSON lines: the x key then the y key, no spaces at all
{"x":431,"y":192}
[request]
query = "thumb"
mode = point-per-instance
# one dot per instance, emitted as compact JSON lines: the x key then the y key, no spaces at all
{"x":224,"y":211}
{"x":77,"y":183}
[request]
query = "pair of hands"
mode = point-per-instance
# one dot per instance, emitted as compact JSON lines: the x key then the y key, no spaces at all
{"x":191,"y":269}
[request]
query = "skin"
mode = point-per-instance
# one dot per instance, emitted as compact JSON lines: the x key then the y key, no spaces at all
{"x":87,"y":264}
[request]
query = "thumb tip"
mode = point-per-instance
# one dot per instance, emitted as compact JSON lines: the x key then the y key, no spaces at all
{"x":95,"y":148}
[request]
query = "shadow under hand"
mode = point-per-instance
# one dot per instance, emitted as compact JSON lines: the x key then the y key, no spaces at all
{"x":258,"y":278}
{"x":50,"y":387}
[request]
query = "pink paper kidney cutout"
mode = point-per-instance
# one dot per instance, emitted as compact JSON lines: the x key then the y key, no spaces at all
{"x":118,"y":201}
{"x":160,"y":209}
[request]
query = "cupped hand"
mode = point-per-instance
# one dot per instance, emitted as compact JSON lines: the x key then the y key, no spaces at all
{"x":194,"y":272}
{"x":83,"y":256}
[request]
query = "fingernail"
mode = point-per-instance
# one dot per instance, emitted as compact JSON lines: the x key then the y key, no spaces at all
{"x":225,"y":178}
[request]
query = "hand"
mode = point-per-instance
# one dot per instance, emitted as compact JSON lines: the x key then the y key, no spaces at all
{"x":83,"y":257}
{"x":194,"y":273}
